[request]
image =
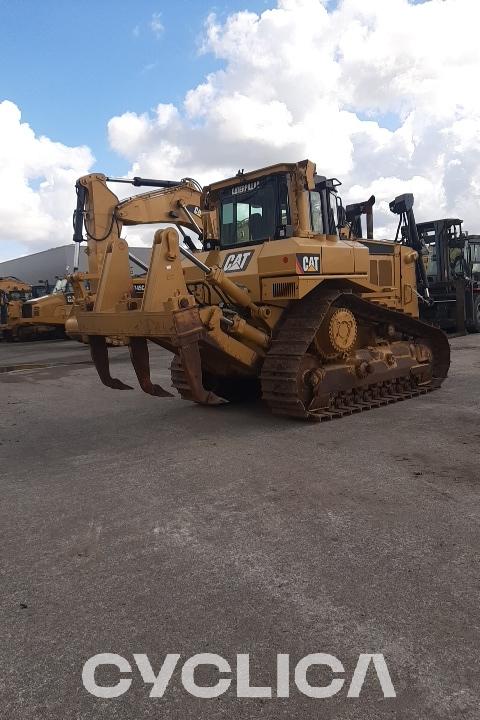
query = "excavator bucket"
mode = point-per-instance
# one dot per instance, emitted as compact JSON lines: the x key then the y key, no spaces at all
{"x":141,"y":364}
{"x":99,"y":353}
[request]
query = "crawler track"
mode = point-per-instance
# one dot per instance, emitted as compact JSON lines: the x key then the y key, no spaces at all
{"x":279,"y":376}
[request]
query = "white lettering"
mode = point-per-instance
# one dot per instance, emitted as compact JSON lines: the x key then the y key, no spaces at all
{"x":244,"y":689}
{"x":382,"y":673}
{"x":160,"y":682}
{"x":323,"y":691}
{"x":236,"y":262}
{"x":283,"y":675}
{"x":105,"y":691}
{"x":244,"y":188}
{"x":199,"y":691}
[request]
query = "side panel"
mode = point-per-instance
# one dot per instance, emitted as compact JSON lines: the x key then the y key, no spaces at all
{"x":307,"y":258}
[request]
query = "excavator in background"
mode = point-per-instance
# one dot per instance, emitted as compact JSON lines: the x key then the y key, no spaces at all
{"x":283,"y":300}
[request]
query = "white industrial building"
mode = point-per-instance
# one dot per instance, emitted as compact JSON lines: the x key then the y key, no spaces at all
{"x":48,"y":265}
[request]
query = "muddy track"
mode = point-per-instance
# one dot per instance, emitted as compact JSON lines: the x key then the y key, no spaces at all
{"x":283,"y":362}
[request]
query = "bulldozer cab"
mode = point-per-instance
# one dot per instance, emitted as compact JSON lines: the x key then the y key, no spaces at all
{"x":20,"y":295}
{"x":252,"y":208}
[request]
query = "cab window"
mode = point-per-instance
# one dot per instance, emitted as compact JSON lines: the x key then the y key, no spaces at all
{"x":475,"y":257}
{"x":254,"y":211}
{"x":316,"y":212}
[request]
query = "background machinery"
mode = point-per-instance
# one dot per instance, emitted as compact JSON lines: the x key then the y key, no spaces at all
{"x":29,"y":313}
{"x":42,"y":316}
{"x":453,"y":270}
{"x":283,"y":300}
{"x":13,"y":294}
{"x":45,"y":316}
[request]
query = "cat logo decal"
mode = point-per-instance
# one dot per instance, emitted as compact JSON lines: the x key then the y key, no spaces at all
{"x":306,"y":264}
{"x":237,"y":261}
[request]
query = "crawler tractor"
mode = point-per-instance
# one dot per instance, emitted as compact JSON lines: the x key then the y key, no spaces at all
{"x":282,"y":298}
{"x":43,"y":316}
{"x":13,"y":294}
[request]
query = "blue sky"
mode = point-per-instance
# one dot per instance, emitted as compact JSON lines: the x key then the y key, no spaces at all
{"x":70,"y":66}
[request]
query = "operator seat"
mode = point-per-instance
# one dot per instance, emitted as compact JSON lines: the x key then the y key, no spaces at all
{"x":256,"y":227}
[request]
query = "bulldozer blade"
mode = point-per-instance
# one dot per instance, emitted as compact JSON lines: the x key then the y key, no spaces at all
{"x":141,"y":364}
{"x":99,"y":353}
{"x":192,"y":366}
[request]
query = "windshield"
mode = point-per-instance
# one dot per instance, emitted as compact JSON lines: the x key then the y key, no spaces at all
{"x":333,"y":212}
{"x":62,"y":286}
{"x":324,"y":210}
{"x":316,"y":215}
{"x":475,"y":257}
{"x":431,"y":260}
{"x":19,"y":295}
{"x":254,"y":211}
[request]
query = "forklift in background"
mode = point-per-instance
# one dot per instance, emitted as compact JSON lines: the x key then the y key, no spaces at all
{"x":452,"y":264}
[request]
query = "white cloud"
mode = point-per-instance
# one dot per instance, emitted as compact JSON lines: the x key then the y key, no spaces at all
{"x":380,"y":94}
{"x":301,"y":81}
{"x":156,"y":24}
{"x":37,"y":185}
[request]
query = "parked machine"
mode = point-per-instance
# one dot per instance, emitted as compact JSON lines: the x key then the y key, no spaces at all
{"x":283,"y":300}
{"x":42,"y":316}
{"x":452,"y":262}
{"x":13,"y":294}
{"x":45,"y":316}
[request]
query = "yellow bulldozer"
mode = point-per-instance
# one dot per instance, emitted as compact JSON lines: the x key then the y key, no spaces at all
{"x":44,"y":315}
{"x":279,"y":296}
{"x":13,"y":294}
